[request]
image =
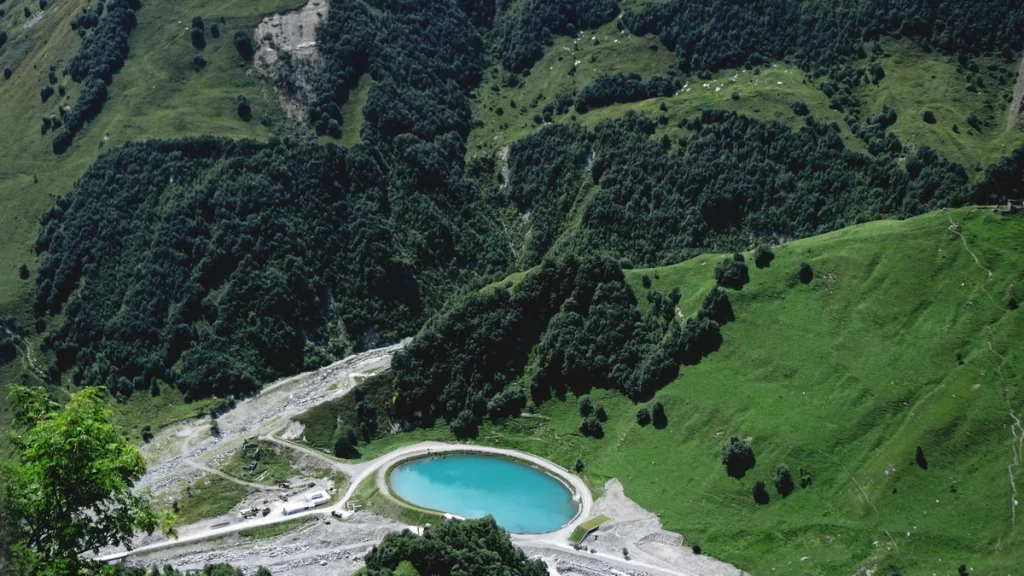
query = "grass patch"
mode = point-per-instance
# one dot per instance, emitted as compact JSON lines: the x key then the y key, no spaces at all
{"x":211,"y":496}
{"x":843,"y":377}
{"x":324,"y":422}
{"x":352,"y":111}
{"x":583,"y":529}
{"x":145,"y":409}
{"x":261,"y":462}
{"x":370,"y":498}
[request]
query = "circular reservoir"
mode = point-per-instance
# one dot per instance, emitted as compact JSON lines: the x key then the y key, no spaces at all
{"x":522,"y":499}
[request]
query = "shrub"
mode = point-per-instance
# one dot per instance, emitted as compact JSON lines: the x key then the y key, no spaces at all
{"x":645,"y":280}
{"x":763,"y":256}
{"x":735,"y":94}
{"x":3,"y":38}
{"x":45,"y":93}
{"x":586,"y":407}
{"x":973,"y":122}
{"x":696,"y":549}
{"x":43,"y":4}
{"x":783,"y":481}
{"x":643,"y":416}
{"x":197,"y":23}
{"x":346,"y":444}
{"x":806,"y":273}
{"x":23,"y":272}
{"x":738,"y":457}
{"x":7,"y":71}
{"x":198,"y":39}
{"x":731,"y":273}
{"x":1012,"y":303}
{"x":215,"y":31}
{"x":590,"y":426}
{"x":602,"y":416}
{"x":759,"y":493}
{"x":800,"y":109}
{"x":929,"y":117}
{"x":717,"y":307}
{"x":658,"y":417}
{"x":198,"y":62}
{"x":243,"y":108}
{"x":921,"y":460}
{"x":243,"y":43}
{"x":805,"y":478}
{"x":579,"y":465}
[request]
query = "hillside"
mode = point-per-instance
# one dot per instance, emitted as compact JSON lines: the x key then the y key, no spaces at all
{"x":900,"y":340}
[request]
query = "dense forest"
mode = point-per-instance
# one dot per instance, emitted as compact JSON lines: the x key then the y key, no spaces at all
{"x":580,"y":320}
{"x":466,"y":548}
{"x":216,"y":265}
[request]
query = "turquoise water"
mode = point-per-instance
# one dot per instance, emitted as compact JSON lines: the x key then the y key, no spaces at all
{"x":521,"y":499}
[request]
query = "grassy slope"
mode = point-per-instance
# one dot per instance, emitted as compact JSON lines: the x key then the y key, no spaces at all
{"x":914,"y":82}
{"x":844,"y":377}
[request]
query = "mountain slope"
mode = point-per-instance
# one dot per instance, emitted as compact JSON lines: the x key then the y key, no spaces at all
{"x":900,"y":340}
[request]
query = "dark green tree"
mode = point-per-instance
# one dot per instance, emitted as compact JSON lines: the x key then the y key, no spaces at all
{"x":759,"y":493}
{"x":243,"y":43}
{"x":738,"y":457}
{"x":658,"y":417}
{"x":23,"y":272}
{"x":783,"y":481}
{"x":763,"y":256}
{"x":643,"y":416}
{"x":585,"y":406}
{"x":601,"y":415}
{"x":806,"y":273}
{"x":346,"y":446}
{"x":920,"y":459}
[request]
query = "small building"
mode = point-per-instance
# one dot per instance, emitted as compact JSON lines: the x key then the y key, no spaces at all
{"x":296,"y":507}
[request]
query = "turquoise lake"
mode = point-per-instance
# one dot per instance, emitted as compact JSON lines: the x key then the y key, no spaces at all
{"x":521,"y":499}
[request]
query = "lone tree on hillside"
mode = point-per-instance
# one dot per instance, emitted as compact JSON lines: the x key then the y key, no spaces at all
{"x":732,"y":273}
{"x":643,"y":416}
{"x":921,"y":461}
{"x":23,"y":271}
{"x":590,"y":426}
{"x":658,"y":417}
{"x":738,"y":457}
{"x":800,"y":109}
{"x":929,"y":117}
{"x":806,"y":273}
{"x":243,"y":43}
{"x":717,"y":307}
{"x":585,"y":406}
{"x":198,"y":38}
{"x":197,"y":23}
{"x":243,"y":108}
{"x":759,"y":493}
{"x":763,"y":256}
{"x":783,"y":481}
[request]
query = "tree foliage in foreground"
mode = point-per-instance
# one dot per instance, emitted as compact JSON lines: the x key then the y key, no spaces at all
{"x":67,"y":490}
{"x":453,"y":548}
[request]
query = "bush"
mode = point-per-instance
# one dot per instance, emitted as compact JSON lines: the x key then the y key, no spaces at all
{"x":643,"y":416}
{"x":7,"y":72}
{"x":759,"y":493}
{"x":805,"y":478}
{"x":346,"y":444}
{"x":735,"y":95}
{"x":579,"y":465}
{"x":243,"y":43}
{"x":198,"y":39}
{"x":3,"y":38}
{"x":806,"y":273}
{"x":586,"y":407}
{"x":590,"y":426}
{"x":921,"y":460}
{"x":197,"y":23}
{"x":658,"y":417}
{"x":215,"y":31}
{"x":198,"y":62}
{"x":602,"y":416}
{"x":243,"y":108}
{"x":800,"y":109}
{"x":23,"y":272}
{"x":731,"y":273}
{"x":45,"y":93}
{"x":929,"y":117}
{"x":717,"y":307}
{"x":738,"y":457}
{"x":763,"y":256}
{"x":783,"y":481}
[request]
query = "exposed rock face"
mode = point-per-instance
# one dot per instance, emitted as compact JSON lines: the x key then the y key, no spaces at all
{"x":287,"y":53}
